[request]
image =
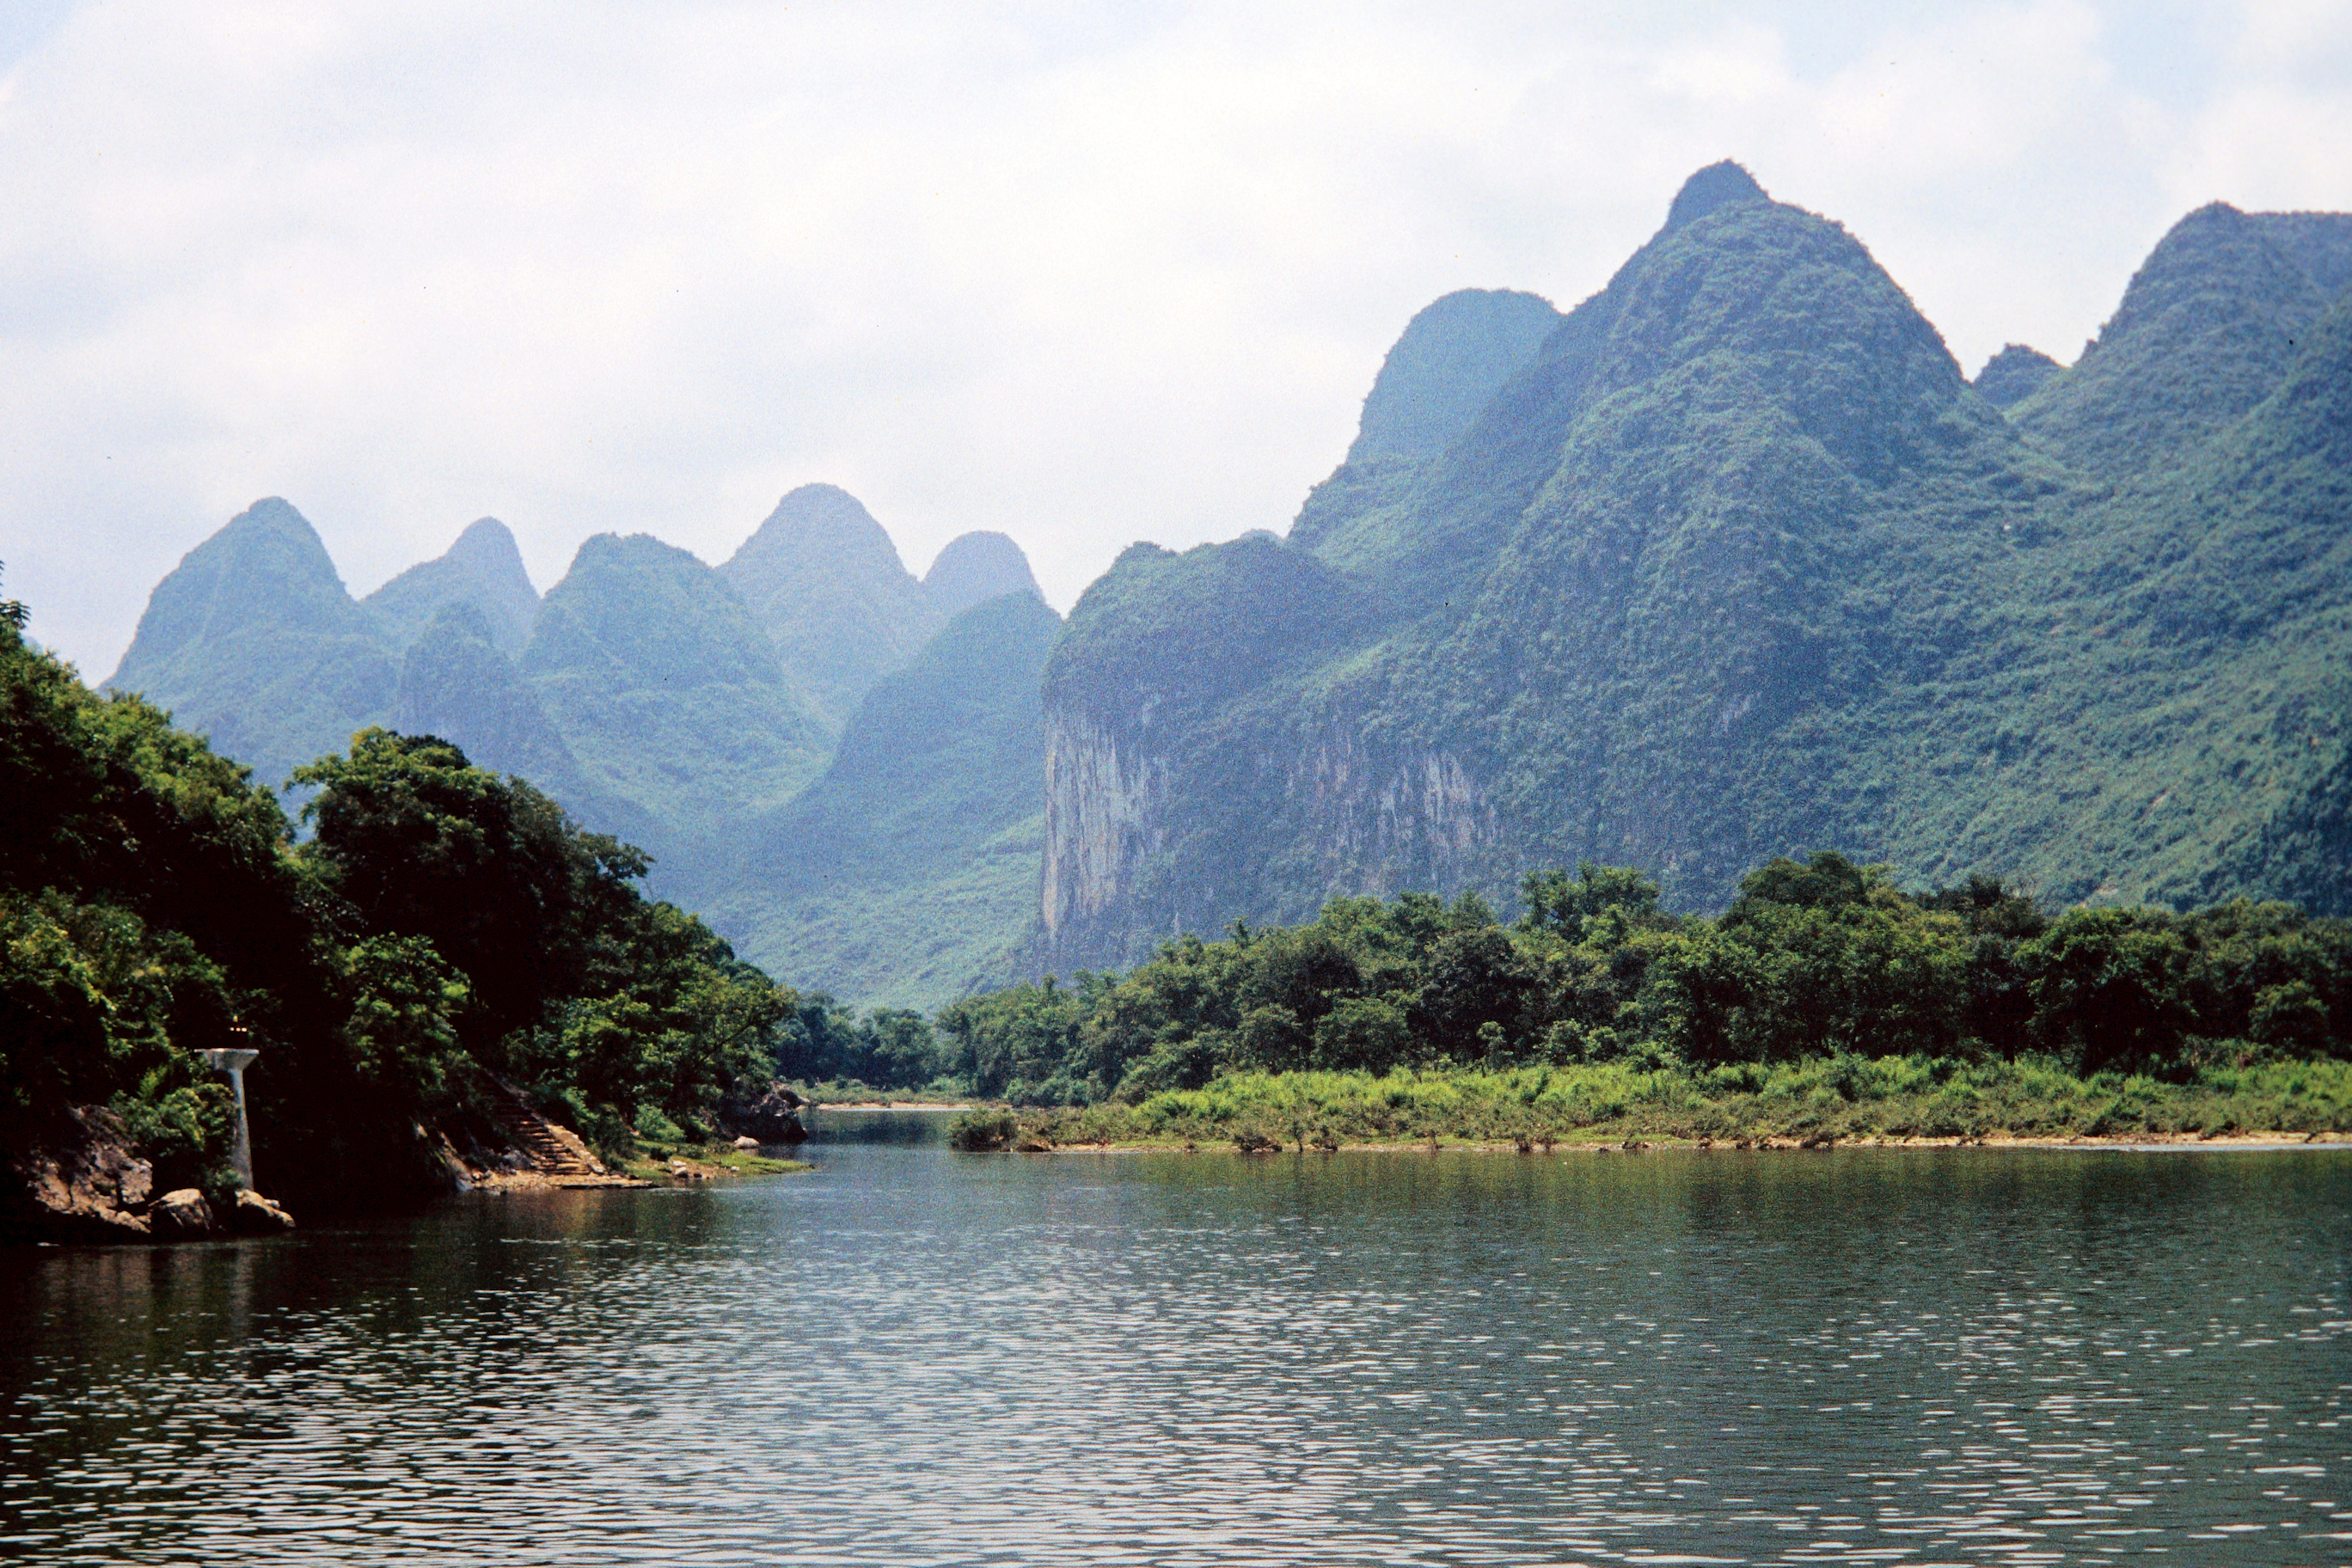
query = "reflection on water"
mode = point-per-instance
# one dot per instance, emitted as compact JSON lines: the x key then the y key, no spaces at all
{"x":917,"y":1356}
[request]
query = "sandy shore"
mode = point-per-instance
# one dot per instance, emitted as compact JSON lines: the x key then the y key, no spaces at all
{"x":2155,"y":1143}
{"x":539,"y":1181}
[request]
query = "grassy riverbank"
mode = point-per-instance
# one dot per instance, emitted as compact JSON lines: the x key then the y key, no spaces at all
{"x":651,"y":1161}
{"x":1841,"y":1097}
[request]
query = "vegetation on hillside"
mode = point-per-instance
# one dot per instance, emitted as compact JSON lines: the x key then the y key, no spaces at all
{"x":1824,"y":1002}
{"x":1814,"y":958}
{"x":1737,"y":562}
{"x":903,"y":875}
{"x":440,"y":922}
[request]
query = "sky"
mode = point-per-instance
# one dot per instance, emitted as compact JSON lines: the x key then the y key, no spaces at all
{"x":1084,"y":274}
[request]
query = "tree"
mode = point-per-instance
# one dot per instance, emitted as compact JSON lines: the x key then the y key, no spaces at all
{"x":506,"y":887}
{"x":1569,"y":907}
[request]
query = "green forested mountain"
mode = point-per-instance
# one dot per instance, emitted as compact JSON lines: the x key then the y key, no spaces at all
{"x":906,"y":873}
{"x":254,"y":641}
{"x":1729,"y":562}
{"x":823,"y":580}
{"x":666,"y":688}
{"x":648,"y":696}
{"x":483,"y":570}
{"x":2014,"y":374}
{"x":1739,"y":563}
{"x":974,"y":569}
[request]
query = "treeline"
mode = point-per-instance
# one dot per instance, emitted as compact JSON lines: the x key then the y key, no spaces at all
{"x":1822,"y":958}
{"x":439,"y":924}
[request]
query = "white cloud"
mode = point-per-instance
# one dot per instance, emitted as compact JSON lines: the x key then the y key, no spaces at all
{"x":1083,"y":274}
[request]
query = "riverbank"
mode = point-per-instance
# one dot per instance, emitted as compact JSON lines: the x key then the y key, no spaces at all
{"x":1898,"y":1100}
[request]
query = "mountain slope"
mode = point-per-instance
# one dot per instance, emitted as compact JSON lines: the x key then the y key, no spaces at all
{"x":907,"y":873}
{"x":974,"y":569}
{"x":2210,"y":323}
{"x":666,"y":688}
{"x":1738,"y":563}
{"x":483,"y":569}
{"x":253,"y":641}
{"x":823,"y":579}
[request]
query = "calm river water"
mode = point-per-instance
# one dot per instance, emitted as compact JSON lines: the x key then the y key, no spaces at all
{"x":913,"y":1356}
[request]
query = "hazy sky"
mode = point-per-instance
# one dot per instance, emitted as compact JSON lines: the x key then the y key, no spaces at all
{"x":1087,"y":274}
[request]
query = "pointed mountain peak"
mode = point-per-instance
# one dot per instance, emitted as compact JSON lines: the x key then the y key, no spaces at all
{"x":974,"y":568}
{"x":272,"y":525}
{"x":2014,"y":374}
{"x":483,"y":569}
{"x":1717,"y":185}
{"x":2208,"y":326}
{"x":266,"y":566}
{"x":817,"y":520}
{"x":1453,"y":356}
{"x":489,"y":545}
{"x":825,"y":581}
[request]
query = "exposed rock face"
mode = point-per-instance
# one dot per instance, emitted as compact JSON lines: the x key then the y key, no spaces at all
{"x":1384,"y":824}
{"x":256,"y":1215}
{"x":1105,"y":806}
{"x":182,"y":1214}
{"x":89,"y":1187}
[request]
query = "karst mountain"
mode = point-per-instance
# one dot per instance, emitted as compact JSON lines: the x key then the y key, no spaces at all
{"x":1731,"y":560}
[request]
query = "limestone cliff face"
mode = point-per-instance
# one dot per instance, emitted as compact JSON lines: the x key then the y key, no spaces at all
{"x":1385,"y":823}
{"x":1147,"y":836}
{"x":1106,"y":824}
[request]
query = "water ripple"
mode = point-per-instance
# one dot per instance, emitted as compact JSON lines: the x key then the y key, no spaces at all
{"x":917,"y":1357}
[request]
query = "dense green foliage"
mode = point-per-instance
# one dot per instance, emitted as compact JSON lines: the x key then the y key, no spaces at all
{"x":1815,"y":957}
{"x":1820,"y":1100}
{"x":442,"y":922}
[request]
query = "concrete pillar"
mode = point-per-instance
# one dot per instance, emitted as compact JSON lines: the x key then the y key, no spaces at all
{"x":234,"y":1062}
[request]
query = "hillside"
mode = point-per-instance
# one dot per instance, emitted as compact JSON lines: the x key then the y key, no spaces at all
{"x":1738,"y":563}
{"x":1731,"y":560}
{"x":906,"y":873}
{"x":652,"y":696}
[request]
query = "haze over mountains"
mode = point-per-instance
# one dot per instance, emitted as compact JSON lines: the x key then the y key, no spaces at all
{"x":1730,"y":560}
{"x":657,"y":697}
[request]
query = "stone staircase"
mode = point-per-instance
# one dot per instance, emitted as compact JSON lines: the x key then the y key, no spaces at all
{"x":552,"y":1150}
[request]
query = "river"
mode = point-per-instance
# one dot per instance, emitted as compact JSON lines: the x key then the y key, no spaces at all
{"x":915,"y":1356}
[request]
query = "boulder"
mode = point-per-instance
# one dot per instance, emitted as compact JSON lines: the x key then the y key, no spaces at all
{"x":256,"y":1215}
{"x":747,"y":1143}
{"x":180,"y":1213}
{"x":767,"y":1120}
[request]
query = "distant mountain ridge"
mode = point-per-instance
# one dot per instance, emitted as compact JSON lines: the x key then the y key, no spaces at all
{"x":656,"y":697}
{"x":1730,"y":560}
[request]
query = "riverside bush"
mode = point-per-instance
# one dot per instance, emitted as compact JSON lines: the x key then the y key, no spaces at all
{"x":1904,"y":1097}
{"x":1822,"y":984}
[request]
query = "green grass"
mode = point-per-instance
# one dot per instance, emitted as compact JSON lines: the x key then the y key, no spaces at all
{"x":1825,"y":1098}
{"x":651,"y":1160}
